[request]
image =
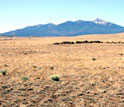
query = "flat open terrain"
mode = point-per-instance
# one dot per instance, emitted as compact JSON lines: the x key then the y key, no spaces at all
{"x":91,"y":75}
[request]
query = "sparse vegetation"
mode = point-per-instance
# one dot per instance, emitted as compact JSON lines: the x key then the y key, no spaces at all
{"x":55,"y":78}
{"x":25,"y":78}
{"x":61,"y":72}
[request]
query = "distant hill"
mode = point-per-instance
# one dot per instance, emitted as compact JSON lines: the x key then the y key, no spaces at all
{"x":4,"y":35}
{"x":68,"y":28}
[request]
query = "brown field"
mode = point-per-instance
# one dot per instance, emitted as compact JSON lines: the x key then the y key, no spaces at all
{"x":84,"y":82}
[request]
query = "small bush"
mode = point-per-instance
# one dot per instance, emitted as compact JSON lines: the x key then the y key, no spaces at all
{"x":40,"y":68}
{"x":25,"y":53}
{"x":4,"y":72}
{"x":51,"y":67}
{"x":34,"y":66}
{"x":5,"y":65}
{"x":93,"y":59}
{"x":55,"y":78}
{"x":121,"y":54}
{"x":25,"y":78}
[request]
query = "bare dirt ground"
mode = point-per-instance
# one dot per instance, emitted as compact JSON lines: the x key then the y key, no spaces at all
{"x":84,"y":82}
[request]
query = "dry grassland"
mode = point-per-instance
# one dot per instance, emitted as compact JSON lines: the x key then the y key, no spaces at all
{"x":84,"y":82}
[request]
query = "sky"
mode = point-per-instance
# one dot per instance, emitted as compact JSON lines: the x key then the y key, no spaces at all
{"x":15,"y":14}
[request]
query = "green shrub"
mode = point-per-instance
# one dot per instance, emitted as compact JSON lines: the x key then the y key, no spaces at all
{"x":4,"y":72}
{"x":25,"y":78}
{"x":55,"y":78}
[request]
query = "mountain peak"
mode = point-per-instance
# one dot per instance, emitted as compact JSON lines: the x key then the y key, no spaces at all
{"x":100,"y":21}
{"x":79,"y":21}
{"x":50,"y":24}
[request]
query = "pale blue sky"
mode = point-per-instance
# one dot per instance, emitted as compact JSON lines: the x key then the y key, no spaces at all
{"x":21,"y":13}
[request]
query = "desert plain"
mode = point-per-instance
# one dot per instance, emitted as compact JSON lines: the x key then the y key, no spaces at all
{"x":91,"y":75}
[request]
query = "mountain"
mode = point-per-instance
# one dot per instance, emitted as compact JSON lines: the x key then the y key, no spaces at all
{"x":68,"y":28}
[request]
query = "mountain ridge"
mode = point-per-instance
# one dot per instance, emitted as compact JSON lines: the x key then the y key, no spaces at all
{"x":68,"y":28}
